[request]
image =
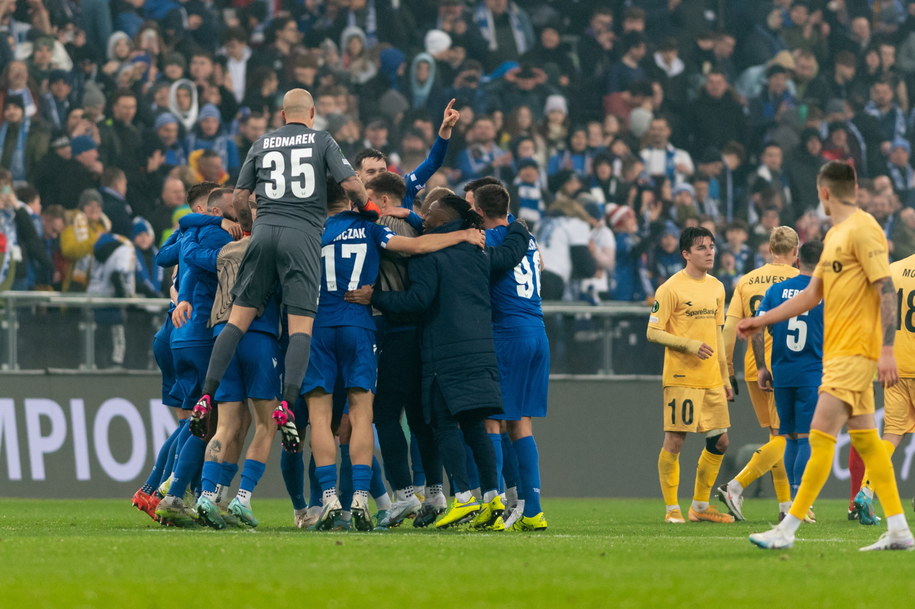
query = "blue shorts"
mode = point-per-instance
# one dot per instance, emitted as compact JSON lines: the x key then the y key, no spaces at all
{"x":190,"y":371}
{"x":795,"y":407}
{"x":343,"y":350}
{"x":165,"y":359}
{"x":254,"y":371}
{"x":524,"y":369}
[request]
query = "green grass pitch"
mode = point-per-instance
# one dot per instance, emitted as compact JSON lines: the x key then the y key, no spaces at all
{"x":597,"y":553}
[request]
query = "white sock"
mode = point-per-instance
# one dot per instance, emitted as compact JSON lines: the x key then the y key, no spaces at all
{"x":383,"y":502}
{"x":244,"y":497}
{"x":896,"y":522}
{"x":404,"y":494}
{"x":220,"y":491}
{"x":301,"y":512}
{"x":489,"y":496}
{"x":211,"y":495}
{"x":511,"y":495}
{"x":672,"y":507}
{"x":790,"y":524}
{"x":464,"y":496}
{"x":435,"y":489}
{"x":868,"y":492}
{"x":784,"y":506}
{"x":735,"y":488}
{"x":364,"y":495}
{"x":476,"y":493}
{"x":328,"y":495}
{"x":700,"y":506}
{"x":420,"y":490}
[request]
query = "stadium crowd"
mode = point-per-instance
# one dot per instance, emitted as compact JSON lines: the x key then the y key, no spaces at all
{"x":615,"y":124}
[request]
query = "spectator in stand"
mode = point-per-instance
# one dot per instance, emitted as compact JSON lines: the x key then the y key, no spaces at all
{"x":237,"y":54}
{"x":121,"y":141}
{"x":113,"y":276}
{"x":81,"y":172}
{"x":715,"y":117}
{"x":170,"y":199}
{"x":209,"y":134}
{"x":628,"y":274}
{"x":662,"y":159}
{"x":78,"y":240}
{"x":58,"y":100}
{"x":22,"y":250}
{"x":506,"y":28}
{"x":114,"y":201}
{"x":764,"y":41}
{"x":482,"y":156}
{"x":604,"y":184}
{"x":736,"y":235}
{"x":263,"y":91}
{"x":277,"y":55}
{"x":149,"y":275}
{"x":522,"y":86}
{"x":530,"y":192}
{"x":628,"y":69}
{"x":666,"y":259}
{"x":602,"y":246}
{"x":883,"y":107}
{"x":167,"y":133}
{"x":250,"y":128}
{"x":769,"y":109}
{"x":900,"y":171}
{"x":770,"y":173}
{"x":576,"y":156}
{"x":801,"y":168}
{"x":23,"y":141}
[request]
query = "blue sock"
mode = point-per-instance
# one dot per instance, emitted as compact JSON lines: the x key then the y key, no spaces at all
{"x":251,"y":474}
{"x":183,"y":433}
{"x":378,"y":488}
{"x":152,"y":481}
{"x":789,"y":458}
{"x":293,"y":467}
{"x":362,"y":479}
{"x":473,"y":474}
{"x":803,"y":455}
{"x":529,"y":470}
{"x":509,"y":462}
{"x":228,"y":473}
{"x":345,"y":488}
{"x":496,"y":440}
{"x":416,"y":462}
{"x":212,"y":470}
{"x":188,"y":464}
{"x":327,"y":477}
{"x":314,"y":485}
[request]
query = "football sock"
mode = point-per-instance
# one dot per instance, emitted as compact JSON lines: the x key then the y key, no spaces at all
{"x":183,"y":433}
{"x":362,"y":478}
{"x":883,"y":477}
{"x":706,"y":472}
{"x":152,"y":481}
{"x":510,"y":472}
{"x":474,"y":431}
{"x":463,"y":496}
{"x":490,"y":495}
{"x":856,"y":470}
{"x":210,"y":477}
{"x":251,"y":474}
{"x":188,"y":463}
{"x":296,"y":364}
{"x":822,"y":449}
{"x":416,"y":462}
{"x":496,"y":440}
{"x":529,"y":469}
{"x":800,"y":462}
{"x":314,"y":485}
{"x":229,"y":469}
{"x":890,"y":449}
{"x":327,"y":477}
{"x":345,"y":490}
{"x":221,"y":356}
{"x":293,"y":467}
{"x":764,"y":459}
{"x":244,"y":497}
{"x":668,"y":473}
{"x":790,"y":458}
{"x":780,"y":481}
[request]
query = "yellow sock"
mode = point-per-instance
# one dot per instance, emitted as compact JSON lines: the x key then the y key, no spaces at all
{"x":890,"y":449}
{"x":880,"y":468}
{"x":822,"y":450}
{"x":780,"y":482}
{"x":669,"y":474}
{"x":706,"y":473}
{"x":762,"y":461}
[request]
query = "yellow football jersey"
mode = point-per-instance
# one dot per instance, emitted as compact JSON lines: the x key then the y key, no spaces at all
{"x":748,"y":293}
{"x":691,"y":308}
{"x":854,"y":256}
{"x":904,"y":347}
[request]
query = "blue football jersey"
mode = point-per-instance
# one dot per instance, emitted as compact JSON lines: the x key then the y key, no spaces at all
{"x":797,"y":343}
{"x":350,"y":254}
{"x":515,"y":294}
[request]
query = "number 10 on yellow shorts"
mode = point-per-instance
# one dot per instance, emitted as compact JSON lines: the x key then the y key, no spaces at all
{"x":692,"y":409}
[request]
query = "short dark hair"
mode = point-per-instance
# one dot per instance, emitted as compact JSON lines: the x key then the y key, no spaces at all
{"x":26,"y":193}
{"x":388,"y":183}
{"x":215,"y":195}
{"x":55,"y":211}
{"x":839,"y":178}
{"x":691,"y":235}
{"x":111,"y":175}
{"x":368,"y":153}
{"x":810,"y":253}
{"x":492,"y":200}
{"x":208,"y":153}
{"x":473,"y":185}
{"x":235,"y":33}
{"x":122,"y":93}
{"x":335,"y":193}
{"x":200,"y":190}
{"x":460,"y":208}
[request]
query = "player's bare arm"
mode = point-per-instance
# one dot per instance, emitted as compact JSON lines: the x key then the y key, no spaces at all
{"x":887,"y":372}
{"x":808,"y":298}
{"x":355,"y":190}
{"x":449,"y":120}
{"x":242,"y":210}
{"x":763,"y":376}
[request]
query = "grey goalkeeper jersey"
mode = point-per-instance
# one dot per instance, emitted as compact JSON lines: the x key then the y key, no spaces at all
{"x":287,"y":170}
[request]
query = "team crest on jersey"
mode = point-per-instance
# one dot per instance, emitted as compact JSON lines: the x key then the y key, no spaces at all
{"x":656,"y":307}
{"x":837,"y":266}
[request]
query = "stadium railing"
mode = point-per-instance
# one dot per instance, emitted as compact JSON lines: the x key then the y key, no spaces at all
{"x":48,"y":331}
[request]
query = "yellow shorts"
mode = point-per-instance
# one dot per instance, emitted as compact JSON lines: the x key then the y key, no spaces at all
{"x":763,"y":404}
{"x":899,"y":408}
{"x":851,"y":379}
{"x":696,"y":410}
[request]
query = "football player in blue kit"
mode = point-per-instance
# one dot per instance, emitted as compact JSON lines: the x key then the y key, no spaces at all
{"x":797,"y":364}
{"x":523,"y":353}
{"x":344,"y":343}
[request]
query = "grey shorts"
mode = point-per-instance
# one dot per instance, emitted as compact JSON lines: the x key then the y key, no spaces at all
{"x":290,"y":256}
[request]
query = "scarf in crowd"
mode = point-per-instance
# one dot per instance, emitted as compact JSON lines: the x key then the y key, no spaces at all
{"x":371,"y":23}
{"x":17,"y":163}
{"x":219,"y":143}
{"x":9,"y":240}
{"x":530,"y":201}
{"x":902,"y":177}
{"x":482,"y":16}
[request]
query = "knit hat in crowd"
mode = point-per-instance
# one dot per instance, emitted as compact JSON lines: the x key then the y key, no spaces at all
{"x":93,"y":96}
{"x":555,"y":102}
{"x":82,"y":143}
{"x":437,"y":41}
{"x":166,"y":118}
{"x":617,"y":214}
{"x":14,"y":100}
{"x":901,"y":143}
{"x":140,"y":226}
{"x":209,"y":111}
{"x":684,"y":187}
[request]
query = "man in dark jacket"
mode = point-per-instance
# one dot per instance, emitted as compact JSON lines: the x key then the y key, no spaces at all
{"x":716,"y":117}
{"x":460,"y":371}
